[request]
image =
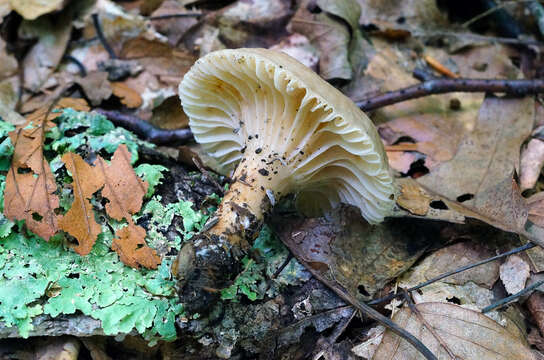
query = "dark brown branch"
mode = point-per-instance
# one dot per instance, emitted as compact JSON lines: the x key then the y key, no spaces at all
{"x":101,"y":37}
{"x":146,"y":130}
{"x":172,"y":16}
{"x":446,"y":85}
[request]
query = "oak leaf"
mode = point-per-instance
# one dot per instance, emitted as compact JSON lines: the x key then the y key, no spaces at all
{"x":79,"y":221}
{"x":128,"y":96}
{"x":30,"y":184}
{"x":125,"y":191}
{"x":132,"y":249}
{"x":122,"y":186}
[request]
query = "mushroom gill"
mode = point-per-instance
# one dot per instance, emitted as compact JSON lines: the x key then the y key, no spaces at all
{"x":282,"y":129}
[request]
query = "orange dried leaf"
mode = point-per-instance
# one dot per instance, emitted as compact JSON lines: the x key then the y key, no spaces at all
{"x":122,"y":186}
{"x":128,"y":96}
{"x":79,"y":221}
{"x":132,"y":249}
{"x":30,"y":185}
{"x":76,"y":104}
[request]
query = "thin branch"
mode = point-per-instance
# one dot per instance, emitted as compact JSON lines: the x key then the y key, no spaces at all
{"x":475,"y":37}
{"x":100,"y":34}
{"x":512,"y":297}
{"x":172,"y":16}
{"x":76,"y":62}
{"x":146,"y":130}
{"x":445,"y":85}
{"x":453,"y":272}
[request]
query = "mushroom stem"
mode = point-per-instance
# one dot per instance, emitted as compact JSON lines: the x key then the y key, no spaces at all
{"x":249,"y":198}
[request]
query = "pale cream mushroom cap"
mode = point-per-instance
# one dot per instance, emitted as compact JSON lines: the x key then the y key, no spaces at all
{"x":311,"y":139}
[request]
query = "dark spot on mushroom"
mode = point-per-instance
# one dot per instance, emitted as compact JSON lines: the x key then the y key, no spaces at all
{"x":269,"y":178}
{"x":243,"y":150}
{"x":258,"y":151}
{"x":301,"y":152}
{"x":250,"y":137}
{"x":275,"y":172}
{"x":263,"y":172}
{"x":262,"y":188}
{"x":263,"y":160}
{"x":256,"y":136}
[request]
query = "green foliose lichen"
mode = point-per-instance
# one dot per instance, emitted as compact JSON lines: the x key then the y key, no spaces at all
{"x":38,"y":277}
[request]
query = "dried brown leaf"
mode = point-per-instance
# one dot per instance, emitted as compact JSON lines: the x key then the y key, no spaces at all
{"x":535,"y":304}
{"x":481,"y":173}
{"x":128,"y":96}
{"x":44,"y":57}
{"x":357,"y":256}
{"x":79,"y":221}
{"x":467,"y":333}
{"x":96,"y":86}
{"x":30,"y":185}
{"x":330,"y":36}
{"x":514,"y":274}
{"x":532,"y":159}
{"x":122,"y":186}
{"x":169,"y":115}
{"x":31,"y":9}
{"x":132,"y":249}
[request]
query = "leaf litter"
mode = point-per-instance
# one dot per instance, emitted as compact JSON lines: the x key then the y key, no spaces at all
{"x":442,"y":141}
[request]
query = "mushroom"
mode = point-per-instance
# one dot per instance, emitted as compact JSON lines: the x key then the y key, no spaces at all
{"x":276,"y":128}
{"x":282,"y":129}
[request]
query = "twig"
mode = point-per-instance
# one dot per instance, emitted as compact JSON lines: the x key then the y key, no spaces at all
{"x":456,"y":271}
{"x":444,"y":85}
{"x":475,"y":37}
{"x":100,"y":34}
{"x":146,"y":130}
{"x":171,"y":16}
{"x":76,"y":62}
{"x":512,"y":297}
{"x":207,"y":175}
{"x":425,"y":323}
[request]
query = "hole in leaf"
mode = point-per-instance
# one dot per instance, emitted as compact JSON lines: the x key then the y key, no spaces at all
{"x":23,"y":170}
{"x":139,"y":246}
{"x":401,"y":20}
{"x":362,"y":290}
{"x":465,"y":197}
{"x":313,"y":8}
{"x":418,"y":169}
{"x":454,"y":300}
{"x":73,"y":276}
{"x":438,"y":204}
{"x":36,"y":216}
